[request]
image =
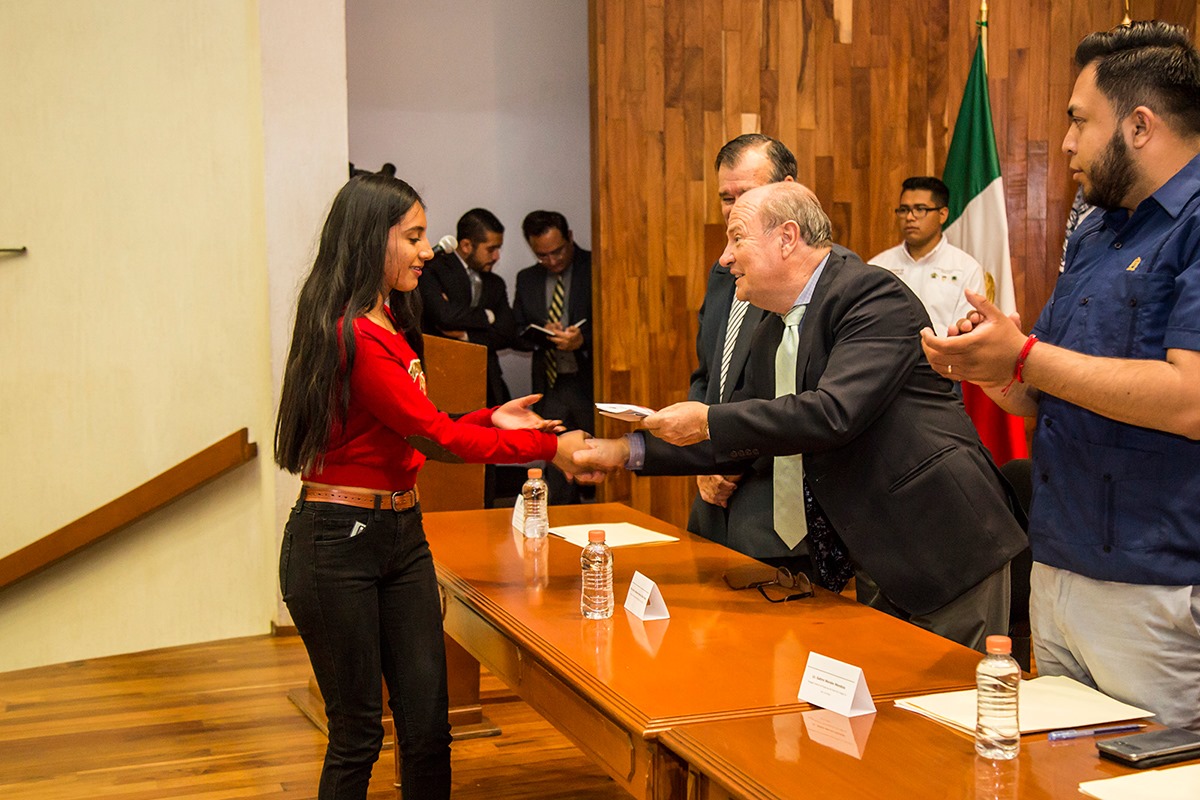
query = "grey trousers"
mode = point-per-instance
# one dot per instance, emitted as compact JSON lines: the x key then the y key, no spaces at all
{"x":1139,"y":644}
{"x":969,"y":619}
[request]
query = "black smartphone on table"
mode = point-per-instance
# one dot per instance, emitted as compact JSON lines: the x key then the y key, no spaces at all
{"x":1153,"y":749}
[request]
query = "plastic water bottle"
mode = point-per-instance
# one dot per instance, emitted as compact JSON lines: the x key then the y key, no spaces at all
{"x":596,"y":601}
{"x":998,"y":679}
{"x":536,"y":495}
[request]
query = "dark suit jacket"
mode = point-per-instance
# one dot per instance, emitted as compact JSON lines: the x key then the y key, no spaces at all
{"x":446,"y":296}
{"x":889,"y":452}
{"x":531,"y":303}
{"x":706,"y":519}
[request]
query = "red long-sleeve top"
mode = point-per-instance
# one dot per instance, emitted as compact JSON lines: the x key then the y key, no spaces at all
{"x":388,"y":404}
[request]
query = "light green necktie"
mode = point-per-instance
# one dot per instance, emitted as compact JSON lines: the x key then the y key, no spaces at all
{"x":788,"y":497}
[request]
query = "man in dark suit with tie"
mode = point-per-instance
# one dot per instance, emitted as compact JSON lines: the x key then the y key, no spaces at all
{"x":870,"y":453}
{"x":722,"y":344}
{"x":556,"y":294}
{"x":464,"y":300}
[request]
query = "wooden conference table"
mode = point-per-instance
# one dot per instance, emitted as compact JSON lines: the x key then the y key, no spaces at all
{"x":891,"y":754}
{"x":614,"y":687}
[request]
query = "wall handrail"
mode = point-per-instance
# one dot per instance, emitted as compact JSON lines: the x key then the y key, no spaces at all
{"x":161,"y":490}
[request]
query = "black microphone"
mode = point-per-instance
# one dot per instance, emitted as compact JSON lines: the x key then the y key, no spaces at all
{"x":445,"y":244}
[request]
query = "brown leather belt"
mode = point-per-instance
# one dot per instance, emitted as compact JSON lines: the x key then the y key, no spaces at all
{"x":395,"y":501}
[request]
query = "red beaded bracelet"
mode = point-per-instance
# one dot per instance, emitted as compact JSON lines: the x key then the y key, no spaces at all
{"x":1019,"y":369}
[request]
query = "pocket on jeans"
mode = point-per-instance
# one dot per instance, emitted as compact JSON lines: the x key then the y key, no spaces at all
{"x":339,"y":527}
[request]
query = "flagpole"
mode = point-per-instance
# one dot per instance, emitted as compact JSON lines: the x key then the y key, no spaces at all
{"x":983,"y":26}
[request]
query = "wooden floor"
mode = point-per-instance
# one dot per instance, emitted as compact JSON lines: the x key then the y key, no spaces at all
{"x":213,"y":721}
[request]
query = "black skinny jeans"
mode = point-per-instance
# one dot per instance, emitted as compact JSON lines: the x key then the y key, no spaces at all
{"x":361,"y":589}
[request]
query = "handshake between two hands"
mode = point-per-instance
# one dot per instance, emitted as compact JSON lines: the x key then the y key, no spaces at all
{"x":589,"y":460}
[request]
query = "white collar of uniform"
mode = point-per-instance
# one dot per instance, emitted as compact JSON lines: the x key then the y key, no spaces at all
{"x":928,"y":256}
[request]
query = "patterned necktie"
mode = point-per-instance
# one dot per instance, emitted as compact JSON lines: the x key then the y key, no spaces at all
{"x":554,"y":314}
{"x":791,"y":523}
{"x":737,"y":313}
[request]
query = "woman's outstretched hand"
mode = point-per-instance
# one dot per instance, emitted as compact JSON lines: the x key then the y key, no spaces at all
{"x":517,"y":414}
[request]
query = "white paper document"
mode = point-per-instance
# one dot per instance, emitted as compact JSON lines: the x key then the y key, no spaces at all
{"x":644,"y":599}
{"x":1168,"y":783}
{"x":624,"y":411}
{"x":1043,"y":704}
{"x":616,"y":534}
{"x":835,"y":685}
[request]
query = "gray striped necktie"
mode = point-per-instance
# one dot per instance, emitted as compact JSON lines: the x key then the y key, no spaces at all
{"x":554,"y":314}
{"x":737,"y":313}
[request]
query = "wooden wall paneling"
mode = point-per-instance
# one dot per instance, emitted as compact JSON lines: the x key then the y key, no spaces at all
{"x":839,"y":123}
{"x":795,"y":79}
{"x":1176,"y":11}
{"x":712,"y":56}
{"x":937,"y":50}
{"x":1043,"y":147}
{"x":732,"y":89}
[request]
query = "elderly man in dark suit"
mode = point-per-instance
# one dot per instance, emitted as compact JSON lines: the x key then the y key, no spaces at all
{"x":722,"y":345}
{"x":870,"y":454}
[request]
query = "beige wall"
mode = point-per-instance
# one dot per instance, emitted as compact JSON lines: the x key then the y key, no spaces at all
{"x":138,"y":330}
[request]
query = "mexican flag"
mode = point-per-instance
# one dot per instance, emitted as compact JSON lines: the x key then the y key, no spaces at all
{"x":978,"y":224}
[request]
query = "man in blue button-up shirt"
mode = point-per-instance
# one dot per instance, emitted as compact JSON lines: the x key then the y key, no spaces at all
{"x":1112,"y":372}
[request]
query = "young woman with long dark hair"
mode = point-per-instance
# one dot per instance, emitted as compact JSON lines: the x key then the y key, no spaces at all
{"x":355,"y":569}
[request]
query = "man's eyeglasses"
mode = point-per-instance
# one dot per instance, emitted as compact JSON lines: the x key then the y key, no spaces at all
{"x":554,"y":255}
{"x":918,"y":212}
{"x":778,"y":585}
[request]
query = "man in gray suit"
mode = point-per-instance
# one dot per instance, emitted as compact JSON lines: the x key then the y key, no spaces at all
{"x":722,"y":345}
{"x":866,"y":449}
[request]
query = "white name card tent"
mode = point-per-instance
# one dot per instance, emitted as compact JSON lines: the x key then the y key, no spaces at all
{"x":644,"y":599}
{"x":835,"y":685}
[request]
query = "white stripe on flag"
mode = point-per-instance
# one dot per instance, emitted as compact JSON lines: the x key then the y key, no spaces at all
{"x":982,"y":230}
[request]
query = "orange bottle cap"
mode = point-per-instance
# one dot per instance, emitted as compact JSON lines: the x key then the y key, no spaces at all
{"x":999,"y":644}
{"x":534,"y":472}
{"x":595,"y":536}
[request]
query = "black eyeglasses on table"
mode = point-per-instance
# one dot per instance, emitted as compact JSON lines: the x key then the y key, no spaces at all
{"x":778,"y":585}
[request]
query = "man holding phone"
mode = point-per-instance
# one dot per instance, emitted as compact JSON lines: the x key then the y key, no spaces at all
{"x":553,"y":307}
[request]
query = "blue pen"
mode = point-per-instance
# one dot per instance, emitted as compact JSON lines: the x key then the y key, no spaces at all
{"x":1079,"y":733}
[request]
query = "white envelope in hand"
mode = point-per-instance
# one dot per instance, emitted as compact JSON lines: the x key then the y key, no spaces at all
{"x":629,"y":413}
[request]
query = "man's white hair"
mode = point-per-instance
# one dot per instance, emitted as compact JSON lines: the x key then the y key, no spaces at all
{"x":783,"y":202}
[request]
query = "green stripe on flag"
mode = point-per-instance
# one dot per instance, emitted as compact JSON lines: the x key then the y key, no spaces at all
{"x":972,"y":161}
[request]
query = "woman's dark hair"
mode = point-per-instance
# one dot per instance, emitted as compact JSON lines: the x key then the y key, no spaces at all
{"x":346,"y":279}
